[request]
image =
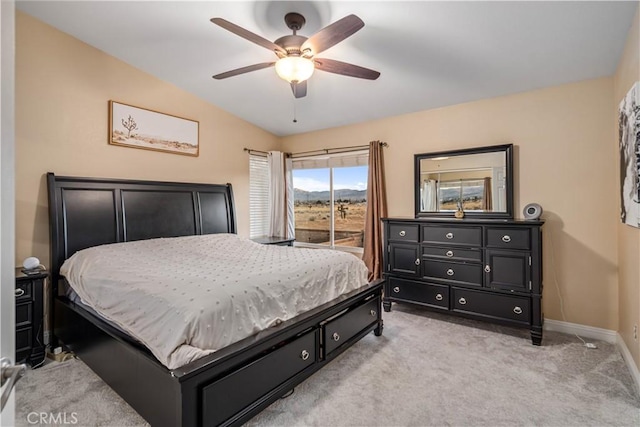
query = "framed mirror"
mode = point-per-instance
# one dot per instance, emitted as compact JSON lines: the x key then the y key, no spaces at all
{"x":479,"y":180}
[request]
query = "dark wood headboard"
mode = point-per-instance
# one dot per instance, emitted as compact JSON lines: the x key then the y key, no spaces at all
{"x":85,"y":212}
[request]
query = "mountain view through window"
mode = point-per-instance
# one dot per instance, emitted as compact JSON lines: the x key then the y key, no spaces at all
{"x":315,"y":213}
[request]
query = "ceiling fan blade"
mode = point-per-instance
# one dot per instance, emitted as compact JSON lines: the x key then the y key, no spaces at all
{"x":299,"y":89}
{"x":243,"y":70}
{"x":345,"y":69}
{"x":246,"y":34}
{"x":332,"y":34}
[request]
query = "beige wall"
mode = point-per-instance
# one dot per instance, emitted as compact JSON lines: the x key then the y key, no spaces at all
{"x":563,"y":161}
{"x":628,"y":237}
{"x":62,"y":91}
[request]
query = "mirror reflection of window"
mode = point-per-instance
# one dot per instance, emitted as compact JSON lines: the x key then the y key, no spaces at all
{"x":476,"y":181}
{"x":471,"y":194}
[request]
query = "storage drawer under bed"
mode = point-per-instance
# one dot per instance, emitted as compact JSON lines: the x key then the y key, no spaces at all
{"x":341,"y":329}
{"x":223,"y":399}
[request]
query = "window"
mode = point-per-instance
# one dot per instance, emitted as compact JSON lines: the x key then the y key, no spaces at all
{"x":258,"y":196}
{"x":469,"y":193}
{"x":330,"y":199}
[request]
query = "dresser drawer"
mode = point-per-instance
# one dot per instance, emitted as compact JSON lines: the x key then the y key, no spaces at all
{"x":452,"y":235}
{"x":512,"y":238}
{"x":403,"y":232}
{"x":491,"y":305}
{"x":424,"y":293}
{"x":24,"y":291}
{"x":221,"y":400}
{"x":470,"y":274}
{"x":24,"y":314}
{"x":341,"y":329}
{"x":454,"y":254}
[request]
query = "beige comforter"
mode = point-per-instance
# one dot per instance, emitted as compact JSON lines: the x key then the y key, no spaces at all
{"x":186,"y":297}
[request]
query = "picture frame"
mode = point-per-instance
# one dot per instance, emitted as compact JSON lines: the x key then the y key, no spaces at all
{"x":629,"y":144}
{"x":137,"y":127}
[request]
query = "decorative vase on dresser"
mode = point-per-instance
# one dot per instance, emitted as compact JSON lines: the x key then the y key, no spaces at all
{"x":479,"y":268}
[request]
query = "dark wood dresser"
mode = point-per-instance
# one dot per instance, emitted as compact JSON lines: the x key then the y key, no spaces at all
{"x":483,"y":269}
{"x":29,"y":317}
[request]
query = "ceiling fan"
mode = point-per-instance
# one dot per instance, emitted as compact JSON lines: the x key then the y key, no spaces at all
{"x":297,"y":54}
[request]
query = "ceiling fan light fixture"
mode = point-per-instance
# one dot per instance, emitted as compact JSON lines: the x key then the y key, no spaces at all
{"x":294,"y":69}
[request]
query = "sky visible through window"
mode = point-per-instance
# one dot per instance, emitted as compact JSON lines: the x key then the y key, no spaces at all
{"x":351,"y":178}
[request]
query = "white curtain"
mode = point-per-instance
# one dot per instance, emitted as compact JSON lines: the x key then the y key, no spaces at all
{"x":291,"y":226}
{"x":280,"y":196}
{"x":429,"y":196}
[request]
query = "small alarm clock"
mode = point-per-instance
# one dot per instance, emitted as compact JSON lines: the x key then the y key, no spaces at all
{"x":31,"y":263}
{"x":532,"y":211}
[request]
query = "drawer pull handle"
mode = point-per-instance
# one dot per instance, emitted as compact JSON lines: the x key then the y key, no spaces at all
{"x":449,"y":236}
{"x":304,"y":355}
{"x":402,"y":233}
{"x":450,"y":272}
{"x":439,"y":297}
{"x":506,"y":238}
{"x":373,"y":313}
{"x":418,"y":261}
{"x":335,"y":336}
{"x":396,"y":289}
{"x":487,"y":268}
{"x":19,"y":292}
{"x":462,"y":301}
{"x":517,"y":310}
{"x":449,"y":254}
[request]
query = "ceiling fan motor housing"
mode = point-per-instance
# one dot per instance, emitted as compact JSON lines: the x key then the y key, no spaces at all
{"x":294,"y":21}
{"x":291,"y":44}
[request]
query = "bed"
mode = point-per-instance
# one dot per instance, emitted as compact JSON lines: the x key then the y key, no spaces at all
{"x":227,"y":386}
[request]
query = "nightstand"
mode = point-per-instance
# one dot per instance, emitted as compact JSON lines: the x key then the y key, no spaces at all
{"x":29,"y":317}
{"x":273,"y":240}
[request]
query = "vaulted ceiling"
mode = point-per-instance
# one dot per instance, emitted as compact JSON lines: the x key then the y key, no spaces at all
{"x":430,"y":54}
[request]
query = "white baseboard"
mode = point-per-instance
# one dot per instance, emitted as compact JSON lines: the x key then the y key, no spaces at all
{"x":607,"y":335}
{"x":631,"y":364}
{"x":584,"y":331}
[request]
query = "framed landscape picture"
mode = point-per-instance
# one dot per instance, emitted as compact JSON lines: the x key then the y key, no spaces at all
{"x":137,"y":127}
{"x":629,"y":140}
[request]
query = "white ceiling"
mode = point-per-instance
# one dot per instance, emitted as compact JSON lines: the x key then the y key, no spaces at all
{"x":430,"y":54}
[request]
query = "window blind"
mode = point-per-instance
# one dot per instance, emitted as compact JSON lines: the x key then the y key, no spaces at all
{"x":350,"y":159}
{"x":258,"y":195}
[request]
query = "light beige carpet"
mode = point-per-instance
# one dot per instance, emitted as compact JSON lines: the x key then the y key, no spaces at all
{"x":426,"y":370}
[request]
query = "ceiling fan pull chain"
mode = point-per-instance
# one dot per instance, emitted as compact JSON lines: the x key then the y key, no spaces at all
{"x":294,"y":111}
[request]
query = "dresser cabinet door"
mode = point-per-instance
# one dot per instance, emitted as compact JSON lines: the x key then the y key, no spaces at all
{"x":509,"y":270}
{"x":404,"y":258}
